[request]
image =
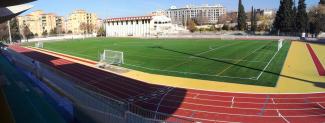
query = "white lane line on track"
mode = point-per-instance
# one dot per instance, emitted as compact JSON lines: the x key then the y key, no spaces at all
{"x":273,"y":102}
{"x":248,"y":115}
{"x":280,"y":115}
{"x":257,"y":109}
{"x":232,"y":102}
{"x":321,"y":106}
{"x":195,"y":97}
{"x":161,"y":101}
{"x":205,"y":120}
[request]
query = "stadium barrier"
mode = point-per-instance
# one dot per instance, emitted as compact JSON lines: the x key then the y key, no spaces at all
{"x":90,"y":103}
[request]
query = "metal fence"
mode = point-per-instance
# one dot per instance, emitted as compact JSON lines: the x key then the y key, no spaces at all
{"x":90,"y":103}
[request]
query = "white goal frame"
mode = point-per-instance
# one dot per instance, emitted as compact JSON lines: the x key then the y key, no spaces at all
{"x":280,"y":44}
{"x":39,"y":44}
{"x":112,"y":57}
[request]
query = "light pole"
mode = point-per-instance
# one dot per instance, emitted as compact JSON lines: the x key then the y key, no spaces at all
{"x":10,"y":39}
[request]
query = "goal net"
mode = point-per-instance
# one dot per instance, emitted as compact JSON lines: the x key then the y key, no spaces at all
{"x":227,"y":37}
{"x":39,"y":44}
{"x":112,"y":57}
{"x":280,"y":44}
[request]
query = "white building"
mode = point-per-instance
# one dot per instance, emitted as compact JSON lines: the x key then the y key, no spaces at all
{"x":142,"y":26}
{"x":205,"y":14}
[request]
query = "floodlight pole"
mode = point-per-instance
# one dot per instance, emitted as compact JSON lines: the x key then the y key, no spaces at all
{"x":10,"y":39}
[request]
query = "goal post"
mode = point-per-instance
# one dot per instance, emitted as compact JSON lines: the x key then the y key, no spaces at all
{"x":39,"y":44}
{"x":112,"y":57}
{"x":280,"y":44}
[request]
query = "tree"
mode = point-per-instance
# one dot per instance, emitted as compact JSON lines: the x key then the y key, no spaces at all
{"x":241,"y":19}
{"x":284,"y":20}
{"x":225,"y":27}
{"x":191,"y":25}
{"x":4,"y":31}
{"x":265,"y":22}
{"x":322,"y":2}
{"x":213,"y":28}
{"x":53,"y":32}
{"x":253,"y":20}
{"x":27,"y":33}
{"x":83,"y":27}
{"x":316,"y":20}
{"x":44,"y":33}
{"x":14,"y":29}
{"x":101,"y":32}
{"x":202,"y":18}
{"x":302,"y":17}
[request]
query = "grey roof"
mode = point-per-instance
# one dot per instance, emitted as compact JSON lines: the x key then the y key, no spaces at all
{"x":6,"y":3}
{"x":7,"y":13}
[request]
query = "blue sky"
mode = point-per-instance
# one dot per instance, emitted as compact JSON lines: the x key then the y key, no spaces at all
{"x":120,"y":8}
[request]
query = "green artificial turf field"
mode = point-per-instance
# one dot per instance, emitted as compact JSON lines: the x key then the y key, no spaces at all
{"x":235,"y":61}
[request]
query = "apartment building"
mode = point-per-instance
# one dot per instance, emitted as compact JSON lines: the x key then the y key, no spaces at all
{"x":205,"y":14}
{"x":77,"y":17}
{"x":39,"y":22}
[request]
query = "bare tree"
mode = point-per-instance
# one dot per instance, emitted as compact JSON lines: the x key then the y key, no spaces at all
{"x":83,"y":27}
{"x":27,"y":33}
{"x":4,"y":31}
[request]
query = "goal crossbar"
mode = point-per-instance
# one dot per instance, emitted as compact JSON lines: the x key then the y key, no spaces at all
{"x":112,"y":57}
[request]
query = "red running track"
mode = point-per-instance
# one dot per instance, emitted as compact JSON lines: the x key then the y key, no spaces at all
{"x":196,"y":105}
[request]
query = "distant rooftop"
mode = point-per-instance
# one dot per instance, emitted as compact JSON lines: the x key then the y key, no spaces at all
{"x":194,"y":6}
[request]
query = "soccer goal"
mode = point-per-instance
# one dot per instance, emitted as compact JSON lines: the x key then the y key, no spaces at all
{"x":39,"y":44}
{"x":227,"y":37}
{"x":112,"y":57}
{"x":280,"y":44}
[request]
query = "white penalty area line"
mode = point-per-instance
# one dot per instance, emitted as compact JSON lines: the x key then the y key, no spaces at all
{"x":217,"y":48}
{"x":277,"y":52}
{"x":224,"y":70}
{"x":170,"y":71}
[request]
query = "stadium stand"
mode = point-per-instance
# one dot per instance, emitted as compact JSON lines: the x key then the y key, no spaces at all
{"x":191,"y":105}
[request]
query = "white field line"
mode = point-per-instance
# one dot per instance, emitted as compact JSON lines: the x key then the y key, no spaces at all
{"x":217,"y":48}
{"x":152,"y":69}
{"x":240,"y":59}
{"x":258,"y":77}
{"x":198,"y":54}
